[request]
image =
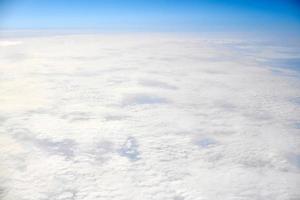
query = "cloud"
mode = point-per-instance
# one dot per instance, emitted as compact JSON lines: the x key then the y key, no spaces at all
{"x":6,"y":43}
{"x":147,"y":116}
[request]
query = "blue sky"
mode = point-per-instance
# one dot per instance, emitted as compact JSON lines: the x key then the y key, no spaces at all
{"x":165,"y":15}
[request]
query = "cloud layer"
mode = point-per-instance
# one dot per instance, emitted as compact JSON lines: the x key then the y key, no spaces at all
{"x":140,"y":116}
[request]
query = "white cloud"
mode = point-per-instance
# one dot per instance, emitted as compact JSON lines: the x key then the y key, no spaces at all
{"x":147,"y":117}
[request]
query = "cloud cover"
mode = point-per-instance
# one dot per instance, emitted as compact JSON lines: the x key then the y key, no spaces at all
{"x":141,"y":116}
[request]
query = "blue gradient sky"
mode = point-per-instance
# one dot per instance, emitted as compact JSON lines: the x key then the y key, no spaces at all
{"x":161,"y":15}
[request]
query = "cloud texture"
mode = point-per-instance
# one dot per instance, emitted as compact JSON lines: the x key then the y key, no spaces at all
{"x":141,"y":116}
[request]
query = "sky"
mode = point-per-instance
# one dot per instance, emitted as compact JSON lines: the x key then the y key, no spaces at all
{"x":165,"y":15}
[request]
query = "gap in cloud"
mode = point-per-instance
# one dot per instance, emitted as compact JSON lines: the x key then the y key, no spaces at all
{"x":130,"y":149}
{"x":294,"y":159}
{"x":64,"y":147}
{"x":286,"y":63}
{"x":157,"y":84}
{"x":143,"y":99}
{"x":205,"y":142}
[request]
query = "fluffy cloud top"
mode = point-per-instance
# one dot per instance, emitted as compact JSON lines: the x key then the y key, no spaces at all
{"x":139,"y":116}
